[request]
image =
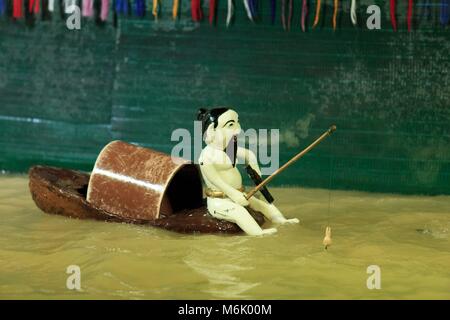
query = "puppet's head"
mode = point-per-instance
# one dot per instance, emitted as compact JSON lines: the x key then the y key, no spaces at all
{"x":219,"y":126}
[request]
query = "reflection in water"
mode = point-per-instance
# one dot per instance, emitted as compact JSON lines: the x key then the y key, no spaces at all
{"x":221,"y":264}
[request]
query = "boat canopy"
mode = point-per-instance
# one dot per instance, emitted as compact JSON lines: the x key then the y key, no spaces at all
{"x":140,"y":183}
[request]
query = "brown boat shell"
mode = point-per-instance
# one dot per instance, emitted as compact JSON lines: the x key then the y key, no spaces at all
{"x":141,"y":183}
{"x":63,"y":192}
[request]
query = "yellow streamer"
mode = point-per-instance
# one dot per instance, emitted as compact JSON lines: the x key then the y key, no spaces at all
{"x":175,"y":9}
{"x":155,"y":8}
{"x":336,"y":4}
{"x":316,"y":19}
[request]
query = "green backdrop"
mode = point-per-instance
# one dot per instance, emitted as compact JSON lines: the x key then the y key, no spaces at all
{"x":64,"y":94}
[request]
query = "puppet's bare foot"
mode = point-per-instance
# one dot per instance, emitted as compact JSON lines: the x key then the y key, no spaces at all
{"x":269,"y":231}
{"x":284,"y":220}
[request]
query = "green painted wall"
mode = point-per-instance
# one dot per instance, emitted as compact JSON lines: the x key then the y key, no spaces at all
{"x":64,"y":94}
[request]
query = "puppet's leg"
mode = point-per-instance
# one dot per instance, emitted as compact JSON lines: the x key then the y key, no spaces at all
{"x":270,"y":211}
{"x":226,"y":209}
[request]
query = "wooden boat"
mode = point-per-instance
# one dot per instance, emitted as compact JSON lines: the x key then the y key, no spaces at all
{"x":63,"y":192}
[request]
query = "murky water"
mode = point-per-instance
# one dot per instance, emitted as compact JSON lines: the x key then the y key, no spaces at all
{"x":406,"y":236}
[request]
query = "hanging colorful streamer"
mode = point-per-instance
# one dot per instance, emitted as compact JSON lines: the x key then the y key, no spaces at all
{"x":304,"y":14}
{"x":196,"y":10}
{"x":230,"y":12}
{"x":87,"y":8}
{"x":2,"y":7}
{"x":253,"y":5}
{"x":273,"y":8}
{"x":353,"y":12}
{"x":286,"y":24}
{"x":392,"y":13}
{"x":317,"y":16}
{"x":155,"y":10}
{"x":409,"y":15}
{"x":104,"y":10}
{"x":121,"y":6}
{"x":176,"y":4}
{"x":444,"y":12}
{"x":335,"y":12}
{"x":212,"y":11}
{"x":139,"y":8}
{"x":51,"y":5}
{"x":33,"y":6}
{"x":17,"y":8}
{"x":247,"y":9}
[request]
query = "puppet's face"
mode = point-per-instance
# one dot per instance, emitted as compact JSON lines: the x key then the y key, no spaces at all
{"x":227,"y":127}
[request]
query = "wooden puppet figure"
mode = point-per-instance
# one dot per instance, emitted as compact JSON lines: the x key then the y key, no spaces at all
{"x":225,"y":194}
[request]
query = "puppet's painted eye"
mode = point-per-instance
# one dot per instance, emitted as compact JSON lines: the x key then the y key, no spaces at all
{"x":231,"y":124}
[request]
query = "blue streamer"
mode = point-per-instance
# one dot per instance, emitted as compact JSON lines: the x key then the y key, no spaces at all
{"x":444,"y":12}
{"x":253,"y":5}
{"x":2,"y":6}
{"x":273,"y":6}
{"x":122,"y":6}
{"x":139,"y":8}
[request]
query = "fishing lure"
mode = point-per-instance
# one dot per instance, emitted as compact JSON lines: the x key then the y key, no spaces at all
{"x":316,"y":18}
{"x":335,"y":12}
{"x":139,"y":8}
{"x":87,"y":9}
{"x":247,"y":9}
{"x":304,"y":14}
{"x":230,"y":12}
{"x":122,"y":6}
{"x":327,"y":241}
{"x":353,"y":12}
{"x":196,"y":10}
{"x":104,"y":10}
{"x":444,"y":12}
{"x":33,"y":6}
{"x":286,"y":24}
{"x":212,"y":11}
{"x":176,"y":4}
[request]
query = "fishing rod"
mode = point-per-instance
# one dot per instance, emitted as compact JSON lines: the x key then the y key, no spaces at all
{"x":287,"y":164}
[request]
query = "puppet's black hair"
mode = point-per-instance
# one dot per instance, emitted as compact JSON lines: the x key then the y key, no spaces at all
{"x":210,"y":116}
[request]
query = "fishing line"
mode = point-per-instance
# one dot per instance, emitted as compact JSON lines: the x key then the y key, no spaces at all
{"x":329,"y":188}
{"x":327,"y":239}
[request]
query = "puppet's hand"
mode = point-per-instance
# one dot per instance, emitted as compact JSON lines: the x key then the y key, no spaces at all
{"x":238,"y":197}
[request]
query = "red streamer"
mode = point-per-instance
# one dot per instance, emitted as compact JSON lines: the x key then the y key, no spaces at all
{"x":393,"y":21}
{"x":33,"y":6}
{"x":17,"y":8}
{"x":304,"y":14}
{"x":196,"y":10}
{"x":212,"y":11}
{"x":409,"y":15}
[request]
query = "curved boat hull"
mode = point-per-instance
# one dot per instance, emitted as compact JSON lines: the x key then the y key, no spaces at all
{"x":63,"y":192}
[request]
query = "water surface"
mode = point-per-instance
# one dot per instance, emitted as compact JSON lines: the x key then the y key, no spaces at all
{"x":406,"y":236}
